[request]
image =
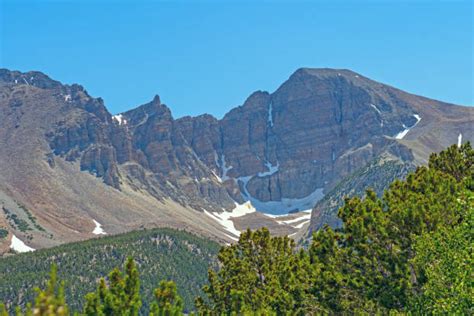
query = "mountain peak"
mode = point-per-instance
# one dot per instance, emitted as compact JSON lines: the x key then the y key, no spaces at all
{"x":156,"y":100}
{"x":325,"y":72}
{"x":152,"y":108}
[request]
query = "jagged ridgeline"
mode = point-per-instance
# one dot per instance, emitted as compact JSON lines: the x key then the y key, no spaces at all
{"x":283,"y":151}
{"x":160,"y":254}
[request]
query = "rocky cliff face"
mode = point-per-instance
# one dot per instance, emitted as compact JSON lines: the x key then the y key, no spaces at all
{"x":318,"y":127}
{"x":282,"y":151}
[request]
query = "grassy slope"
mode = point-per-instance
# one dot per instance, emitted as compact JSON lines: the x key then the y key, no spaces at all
{"x":160,"y":254}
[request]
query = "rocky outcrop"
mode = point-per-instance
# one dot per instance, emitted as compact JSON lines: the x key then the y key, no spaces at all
{"x":319,"y":127}
{"x":284,"y":151}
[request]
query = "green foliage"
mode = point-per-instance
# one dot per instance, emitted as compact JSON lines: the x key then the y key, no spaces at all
{"x":19,"y":223}
{"x":32,"y":218}
{"x":444,"y":261}
{"x":3,"y":310}
{"x":259,"y":273}
{"x":120,"y":297}
{"x":167,"y":301}
{"x":368,"y":266}
{"x":48,"y":302}
{"x":457,"y":162}
{"x":15,"y":221}
{"x":161,"y":254}
{"x":3,"y":234}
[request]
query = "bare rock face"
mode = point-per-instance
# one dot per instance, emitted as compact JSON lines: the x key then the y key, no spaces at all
{"x":87,"y":135}
{"x":285,"y":151}
{"x":159,"y":145}
{"x":318,"y":127}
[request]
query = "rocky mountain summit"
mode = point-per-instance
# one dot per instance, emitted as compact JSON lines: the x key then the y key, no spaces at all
{"x":67,"y":164}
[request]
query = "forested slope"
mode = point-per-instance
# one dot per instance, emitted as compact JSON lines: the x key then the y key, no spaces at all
{"x":160,"y":254}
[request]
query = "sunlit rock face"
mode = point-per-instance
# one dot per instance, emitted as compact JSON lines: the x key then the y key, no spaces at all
{"x":318,"y":127}
{"x":282,"y":151}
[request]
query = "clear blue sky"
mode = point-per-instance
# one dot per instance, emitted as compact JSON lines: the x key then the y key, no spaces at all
{"x":207,"y":57}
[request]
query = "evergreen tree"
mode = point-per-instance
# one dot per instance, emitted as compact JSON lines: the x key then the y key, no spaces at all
{"x":444,"y":261}
{"x":455,"y":161}
{"x":368,"y":265}
{"x":48,"y":302}
{"x":259,"y":273}
{"x":168,"y":302}
{"x":120,"y":297}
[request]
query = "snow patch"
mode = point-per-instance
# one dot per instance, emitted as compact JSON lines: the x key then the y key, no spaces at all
{"x":407,"y":129}
{"x":271,"y":169}
{"x":19,"y":246}
{"x":299,"y":221}
{"x":225,"y":218}
{"x":98,"y":229}
{"x":296,"y":220}
{"x":216,"y":176}
{"x":286,"y":205}
{"x":270,"y":113}
{"x":284,"y":215}
{"x":67,"y":98}
{"x":223,"y":167}
{"x":376,"y":108}
{"x":402,"y":133}
{"x":119,"y":119}
{"x":299,"y":226}
{"x":459,"y":140}
{"x":379,"y":112}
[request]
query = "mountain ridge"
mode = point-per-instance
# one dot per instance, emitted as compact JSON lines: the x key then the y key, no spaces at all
{"x":282,"y":151}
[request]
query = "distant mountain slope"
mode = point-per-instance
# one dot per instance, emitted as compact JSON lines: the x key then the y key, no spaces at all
{"x":376,"y":175}
{"x":161,"y":254}
{"x":67,"y":163}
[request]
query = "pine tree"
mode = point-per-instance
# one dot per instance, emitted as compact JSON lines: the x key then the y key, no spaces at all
{"x":120,"y":297}
{"x":48,"y":302}
{"x":444,"y":261}
{"x":259,"y":273}
{"x":367,"y":266}
{"x":455,"y":161}
{"x":168,"y":302}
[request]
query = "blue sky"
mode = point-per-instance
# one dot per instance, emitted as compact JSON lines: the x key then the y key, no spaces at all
{"x":207,"y":57}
